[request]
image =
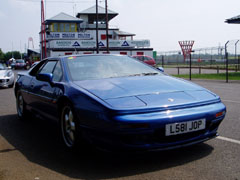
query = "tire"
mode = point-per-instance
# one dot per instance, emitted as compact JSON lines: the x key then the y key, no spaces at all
{"x":69,"y":127}
{"x":22,"y":113}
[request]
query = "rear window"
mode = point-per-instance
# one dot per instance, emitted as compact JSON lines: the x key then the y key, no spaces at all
{"x":19,"y":61}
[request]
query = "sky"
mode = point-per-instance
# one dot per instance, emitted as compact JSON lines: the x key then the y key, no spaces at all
{"x":163,"y":22}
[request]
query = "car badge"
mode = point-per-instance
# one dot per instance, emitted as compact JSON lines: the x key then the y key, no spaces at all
{"x":170,"y":99}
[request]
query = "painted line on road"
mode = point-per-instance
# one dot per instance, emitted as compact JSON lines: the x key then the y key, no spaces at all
{"x":230,"y":101}
{"x":228,"y":139}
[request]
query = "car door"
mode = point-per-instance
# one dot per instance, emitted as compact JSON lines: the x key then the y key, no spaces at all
{"x":43,"y":92}
{"x":27,"y":84}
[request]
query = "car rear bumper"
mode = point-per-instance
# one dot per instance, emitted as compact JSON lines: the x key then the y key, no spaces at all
{"x":19,"y":67}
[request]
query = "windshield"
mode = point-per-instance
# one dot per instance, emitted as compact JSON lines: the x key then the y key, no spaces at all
{"x":2,"y":67}
{"x":99,"y":67}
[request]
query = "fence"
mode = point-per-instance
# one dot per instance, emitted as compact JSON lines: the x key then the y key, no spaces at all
{"x":221,"y":59}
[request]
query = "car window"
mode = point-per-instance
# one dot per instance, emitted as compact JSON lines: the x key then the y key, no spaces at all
{"x":140,"y":58}
{"x":146,"y":58}
{"x":19,"y":61}
{"x":57,"y":73}
{"x":2,"y":67}
{"x":48,"y":67}
{"x":36,"y":68}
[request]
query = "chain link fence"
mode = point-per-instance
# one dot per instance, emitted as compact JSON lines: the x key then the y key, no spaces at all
{"x":210,"y":60}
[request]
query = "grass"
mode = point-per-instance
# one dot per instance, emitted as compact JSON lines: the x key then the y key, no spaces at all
{"x":203,"y":66}
{"x":220,"y":76}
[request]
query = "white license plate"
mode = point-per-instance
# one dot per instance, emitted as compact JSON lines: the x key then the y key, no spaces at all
{"x":185,"y":127}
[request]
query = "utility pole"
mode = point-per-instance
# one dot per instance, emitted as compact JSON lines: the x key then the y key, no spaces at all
{"x":226,"y":56}
{"x":21,"y":49}
{"x":97,"y":45}
{"x":12,"y":49}
{"x":106,"y":8}
{"x":236,"y":49}
{"x":190,"y":72}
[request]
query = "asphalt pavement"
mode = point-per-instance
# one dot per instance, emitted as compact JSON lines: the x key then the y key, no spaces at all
{"x":194,"y":71}
{"x":31,"y":150}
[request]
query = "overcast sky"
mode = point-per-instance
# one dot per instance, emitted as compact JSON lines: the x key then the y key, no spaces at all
{"x":164,"y":22}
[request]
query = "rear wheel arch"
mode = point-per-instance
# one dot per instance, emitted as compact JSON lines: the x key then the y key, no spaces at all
{"x":16,"y":89}
{"x":65,"y":106}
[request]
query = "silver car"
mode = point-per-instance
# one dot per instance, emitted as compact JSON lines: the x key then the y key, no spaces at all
{"x":6,"y":76}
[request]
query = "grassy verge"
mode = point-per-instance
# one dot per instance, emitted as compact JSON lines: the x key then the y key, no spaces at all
{"x":206,"y":66}
{"x":220,"y":76}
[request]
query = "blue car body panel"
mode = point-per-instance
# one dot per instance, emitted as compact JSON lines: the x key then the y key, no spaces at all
{"x":110,"y":110}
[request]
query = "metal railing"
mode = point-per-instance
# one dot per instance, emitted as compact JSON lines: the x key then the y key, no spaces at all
{"x":220,"y":59}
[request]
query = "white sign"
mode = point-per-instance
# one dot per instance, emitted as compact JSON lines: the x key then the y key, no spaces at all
{"x":92,"y":43}
{"x":68,"y":35}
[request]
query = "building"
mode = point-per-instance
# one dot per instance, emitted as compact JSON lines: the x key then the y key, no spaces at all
{"x":66,"y":35}
{"x":233,"y":20}
{"x":33,"y":55}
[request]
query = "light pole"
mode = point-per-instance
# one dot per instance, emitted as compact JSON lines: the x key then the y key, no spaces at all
{"x":211,"y":55}
{"x":97,"y":45}
{"x":106,"y":9}
{"x":236,"y":49}
{"x":226,"y":55}
{"x":190,"y":72}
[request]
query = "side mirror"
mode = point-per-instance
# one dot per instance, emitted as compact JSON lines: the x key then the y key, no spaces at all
{"x":160,"y":69}
{"x":47,"y":77}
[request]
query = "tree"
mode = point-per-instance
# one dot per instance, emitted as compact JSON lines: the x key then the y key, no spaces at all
{"x":14,"y":54}
{"x":1,"y":54}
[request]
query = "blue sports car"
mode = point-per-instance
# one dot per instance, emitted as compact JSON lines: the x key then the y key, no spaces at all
{"x":118,"y":103}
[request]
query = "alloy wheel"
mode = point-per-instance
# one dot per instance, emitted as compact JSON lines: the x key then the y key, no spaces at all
{"x":68,"y":126}
{"x":20,"y":105}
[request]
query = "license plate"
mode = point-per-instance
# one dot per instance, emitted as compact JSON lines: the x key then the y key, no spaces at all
{"x":185,"y":127}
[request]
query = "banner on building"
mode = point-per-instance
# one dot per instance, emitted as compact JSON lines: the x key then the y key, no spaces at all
{"x":92,"y":43}
{"x":68,"y":35}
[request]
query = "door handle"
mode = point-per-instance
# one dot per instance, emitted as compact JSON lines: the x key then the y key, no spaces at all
{"x":32,"y":85}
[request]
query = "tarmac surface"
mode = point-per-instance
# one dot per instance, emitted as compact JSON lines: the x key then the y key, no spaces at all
{"x":194,"y":71}
{"x":32,"y":150}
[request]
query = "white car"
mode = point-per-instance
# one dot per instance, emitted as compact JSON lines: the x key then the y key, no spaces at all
{"x":6,"y":76}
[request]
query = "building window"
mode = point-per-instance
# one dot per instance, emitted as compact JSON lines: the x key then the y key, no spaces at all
{"x":140,"y":53}
{"x":62,"y":27}
{"x":103,"y":37}
{"x":122,"y":37}
{"x":67,"y":27}
{"x":73,"y":28}
{"x":51,"y":28}
{"x":55,"y":27}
